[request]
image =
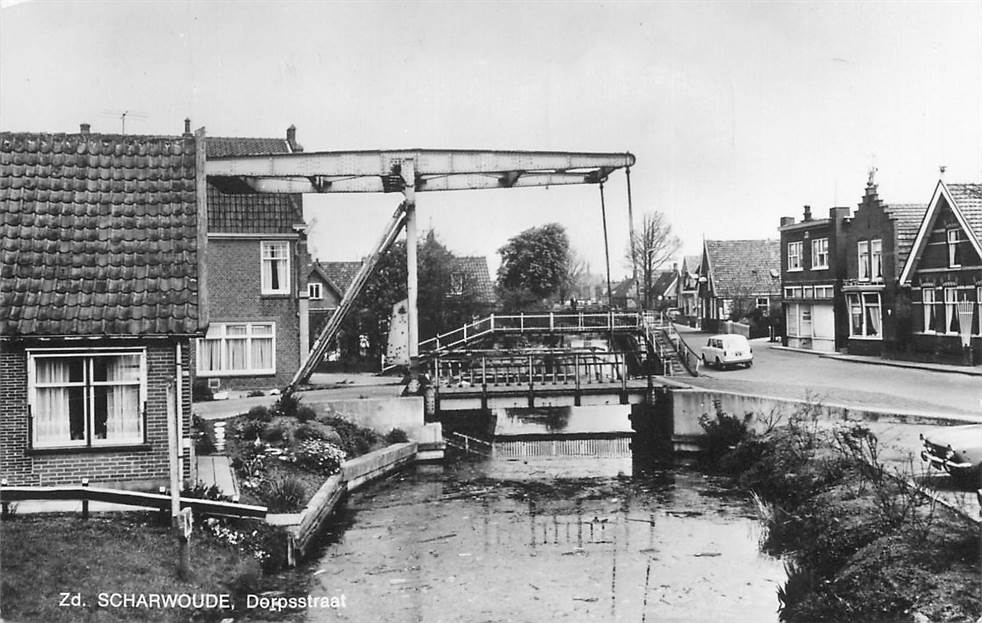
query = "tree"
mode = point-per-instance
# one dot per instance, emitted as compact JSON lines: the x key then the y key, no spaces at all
{"x":534,"y":267}
{"x":654,"y":246}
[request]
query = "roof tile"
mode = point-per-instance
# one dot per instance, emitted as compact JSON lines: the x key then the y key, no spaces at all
{"x":743,"y":267}
{"x":84,"y":246}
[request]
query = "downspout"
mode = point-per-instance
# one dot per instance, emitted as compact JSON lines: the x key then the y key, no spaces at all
{"x":179,"y":374}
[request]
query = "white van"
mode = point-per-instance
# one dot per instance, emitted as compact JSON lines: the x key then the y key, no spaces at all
{"x":727,"y":349}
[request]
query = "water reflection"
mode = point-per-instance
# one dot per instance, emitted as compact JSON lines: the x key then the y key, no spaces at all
{"x":567,"y":420}
{"x":548,"y":539}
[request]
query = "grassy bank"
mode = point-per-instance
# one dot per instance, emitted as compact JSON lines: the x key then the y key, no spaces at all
{"x":44,"y":557}
{"x":862,"y":543}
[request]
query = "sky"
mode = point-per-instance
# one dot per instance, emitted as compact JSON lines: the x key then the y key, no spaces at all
{"x":738,"y":112}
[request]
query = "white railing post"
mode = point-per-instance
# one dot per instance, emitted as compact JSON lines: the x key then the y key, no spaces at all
{"x":521,"y":322}
{"x":552,"y":320}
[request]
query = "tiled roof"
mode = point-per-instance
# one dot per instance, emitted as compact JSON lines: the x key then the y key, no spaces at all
{"x":906,"y":219}
{"x":99,"y":235}
{"x":664,"y":281}
{"x":478,"y":277}
{"x":742,"y":267}
{"x":247,"y":212}
{"x":968,"y":197}
{"x":341,"y":274}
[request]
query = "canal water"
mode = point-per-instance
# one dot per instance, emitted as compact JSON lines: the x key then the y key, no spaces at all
{"x":547,"y":538}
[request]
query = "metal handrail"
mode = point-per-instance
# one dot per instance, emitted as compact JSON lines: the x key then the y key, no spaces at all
{"x":522,"y":323}
{"x":530,"y":369}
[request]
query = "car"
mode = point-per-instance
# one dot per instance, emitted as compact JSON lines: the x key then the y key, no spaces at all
{"x":956,"y":450}
{"x":727,"y":349}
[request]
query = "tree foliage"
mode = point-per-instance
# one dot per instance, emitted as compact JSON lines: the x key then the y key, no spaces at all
{"x":441,"y":306}
{"x":534,"y":267}
{"x":654,"y":246}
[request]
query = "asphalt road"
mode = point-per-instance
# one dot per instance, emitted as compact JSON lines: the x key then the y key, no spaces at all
{"x":792,"y":374}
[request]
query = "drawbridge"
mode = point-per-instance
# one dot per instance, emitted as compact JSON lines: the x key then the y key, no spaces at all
{"x":407,"y":172}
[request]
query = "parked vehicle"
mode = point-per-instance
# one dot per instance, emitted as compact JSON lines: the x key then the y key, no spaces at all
{"x":956,"y":450}
{"x":727,"y":349}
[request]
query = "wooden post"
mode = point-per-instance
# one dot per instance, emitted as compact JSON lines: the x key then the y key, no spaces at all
{"x":6,"y":504}
{"x":85,"y":500}
{"x":173,"y":446}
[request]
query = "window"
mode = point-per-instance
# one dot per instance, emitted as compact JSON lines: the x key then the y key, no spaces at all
{"x":90,"y":399}
{"x":794,"y":255}
{"x":953,"y":240}
{"x":237,"y":348}
{"x":275,"y":268}
{"x":820,"y":253}
{"x":864,"y":267}
{"x":955,"y":298}
{"x":456,"y":284}
{"x":823,"y":292}
{"x":929,"y":312}
{"x":314,"y":291}
{"x":977,"y":320}
{"x":876,"y":259}
{"x":763,"y":304}
{"x":805,"y":321}
{"x":865,"y":316}
{"x":792,"y":319}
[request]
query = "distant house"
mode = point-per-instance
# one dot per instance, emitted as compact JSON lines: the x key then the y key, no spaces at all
{"x":470,"y":278}
{"x":103,"y":287}
{"x":257,"y":277}
{"x":688,"y":287}
{"x":741,"y":276}
{"x":813,"y":265}
{"x":664,"y":291}
{"x":944,"y":273}
{"x":878,"y":241}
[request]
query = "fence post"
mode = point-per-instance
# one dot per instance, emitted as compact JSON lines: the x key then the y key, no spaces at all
{"x":85,"y":500}
{"x":552,"y":320}
{"x":521,"y":322}
{"x":6,"y":504}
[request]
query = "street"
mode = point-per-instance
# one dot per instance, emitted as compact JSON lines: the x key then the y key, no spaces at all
{"x":792,"y":374}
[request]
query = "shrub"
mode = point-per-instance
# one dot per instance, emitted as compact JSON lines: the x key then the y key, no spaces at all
{"x":201,"y":491}
{"x":306,"y":413}
{"x":319,"y":455}
{"x":280,"y":430}
{"x":355,"y":440}
{"x":396,"y":435}
{"x":249,"y":428}
{"x":315,"y":430}
{"x":286,"y":405}
{"x":203,"y":443}
{"x":260,"y":413}
{"x":723,"y":433}
{"x":285,"y":495}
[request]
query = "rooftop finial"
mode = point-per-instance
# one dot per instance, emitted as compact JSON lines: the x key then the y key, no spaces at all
{"x":870,"y":176}
{"x":941,"y":171}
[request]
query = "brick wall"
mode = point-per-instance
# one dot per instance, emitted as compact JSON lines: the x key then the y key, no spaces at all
{"x":234,"y":287}
{"x":125,"y":468}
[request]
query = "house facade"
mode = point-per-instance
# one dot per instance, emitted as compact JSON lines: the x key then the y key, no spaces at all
{"x":688,"y":289}
{"x":742,"y":278}
{"x":877,"y":243}
{"x":102,"y":290}
{"x":257,"y":276}
{"x":943,"y":275}
{"x":812,"y":269}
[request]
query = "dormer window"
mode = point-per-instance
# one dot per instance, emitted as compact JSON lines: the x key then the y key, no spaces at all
{"x":315,"y":291}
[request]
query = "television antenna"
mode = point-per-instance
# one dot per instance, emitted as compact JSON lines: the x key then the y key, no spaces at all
{"x":123,"y":115}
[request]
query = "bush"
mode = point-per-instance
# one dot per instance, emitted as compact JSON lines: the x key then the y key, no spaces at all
{"x":285,"y":495}
{"x":319,"y":455}
{"x":396,"y":435}
{"x":280,"y":430}
{"x":355,"y":440}
{"x":306,"y":413}
{"x":203,"y":443}
{"x":249,"y":429}
{"x":286,"y":405}
{"x":316,"y":430}
{"x":723,"y":434}
{"x":201,"y":491}
{"x":260,"y":413}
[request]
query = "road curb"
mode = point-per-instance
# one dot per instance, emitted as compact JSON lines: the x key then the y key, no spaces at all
{"x":893,"y":363}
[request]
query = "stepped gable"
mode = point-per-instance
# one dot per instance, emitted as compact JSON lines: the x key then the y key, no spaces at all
{"x":99,"y":235}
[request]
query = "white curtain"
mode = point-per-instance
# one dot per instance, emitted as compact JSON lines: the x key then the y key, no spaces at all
{"x":262,"y":353}
{"x":123,"y":401}
{"x":51,"y":411}
{"x":873,"y":318}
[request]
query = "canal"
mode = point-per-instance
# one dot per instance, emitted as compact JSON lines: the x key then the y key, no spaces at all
{"x":547,"y":538}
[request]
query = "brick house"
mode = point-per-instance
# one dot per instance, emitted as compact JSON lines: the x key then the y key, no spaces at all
{"x":326,"y":284}
{"x":257,"y":262}
{"x":740,"y":276}
{"x":877,"y":243}
{"x":688,"y":288}
{"x":943,"y":273}
{"x":813,"y":265}
{"x":101,"y":293}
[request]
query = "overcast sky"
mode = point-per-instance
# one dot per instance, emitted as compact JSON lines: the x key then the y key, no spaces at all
{"x":738,"y":112}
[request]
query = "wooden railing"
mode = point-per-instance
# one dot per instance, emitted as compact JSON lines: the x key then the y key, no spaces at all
{"x":533,"y":323}
{"x":468,"y":444}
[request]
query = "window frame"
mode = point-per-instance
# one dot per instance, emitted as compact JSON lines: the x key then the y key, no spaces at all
{"x":858,"y":299}
{"x":798,"y":246}
{"x":317,"y":286}
{"x":820,"y":257}
{"x":268,"y":245}
{"x":876,"y":259}
{"x":88,"y":385}
{"x":223,"y":338}
{"x":863,"y":265}
{"x":952,"y":247}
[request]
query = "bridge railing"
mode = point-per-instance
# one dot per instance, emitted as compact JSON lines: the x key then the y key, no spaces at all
{"x":523,"y":323}
{"x":530,"y":370}
{"x":690,"y":359}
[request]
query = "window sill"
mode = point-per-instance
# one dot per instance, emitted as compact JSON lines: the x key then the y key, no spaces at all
{"x":795,"y":270}
{"x":820,"y":267}
{"x":275,"y":295}
{"x":215,"y":374}
{"x":137,"y":447}
{"x":868,"y":338}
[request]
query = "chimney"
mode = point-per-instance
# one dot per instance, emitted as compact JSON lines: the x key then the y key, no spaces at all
{"x":839,"y":213}
{"x":787,"y":220}
{"x":187,"y":126}
{"x":808,"y":214}
{"x":84,"y":128}
{"x":291,"y":138}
